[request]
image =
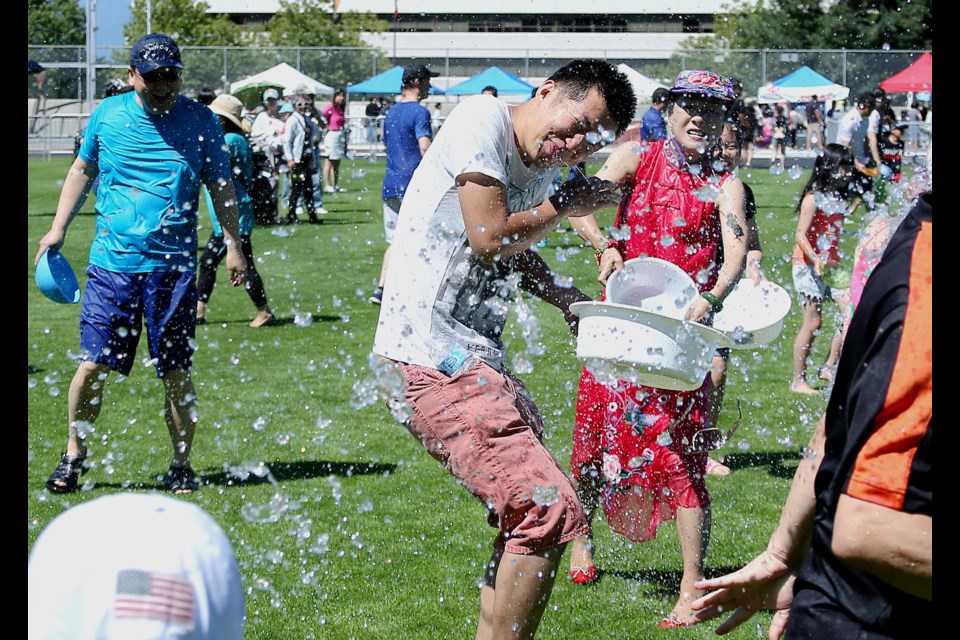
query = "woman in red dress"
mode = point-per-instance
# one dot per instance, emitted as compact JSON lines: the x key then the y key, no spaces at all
{"x":824,"y":204}
{"x":634,"y":446}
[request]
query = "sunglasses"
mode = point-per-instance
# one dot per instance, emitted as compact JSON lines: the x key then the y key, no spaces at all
{"x":163,"y":74}
{"x":703,"y":108}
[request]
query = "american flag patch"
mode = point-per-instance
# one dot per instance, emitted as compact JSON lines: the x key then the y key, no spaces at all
{"x":144,"y":595}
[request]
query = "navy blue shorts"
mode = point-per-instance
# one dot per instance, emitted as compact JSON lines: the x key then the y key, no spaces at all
{"x":117,"y":306}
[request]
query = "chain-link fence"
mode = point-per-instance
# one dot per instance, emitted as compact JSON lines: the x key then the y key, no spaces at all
{"x":59,"y":105}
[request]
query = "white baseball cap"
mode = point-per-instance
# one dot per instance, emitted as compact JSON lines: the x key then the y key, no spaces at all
{"x":134,"y":566}
{"x":271,"y":94}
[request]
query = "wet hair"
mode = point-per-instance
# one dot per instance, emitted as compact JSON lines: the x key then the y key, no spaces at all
{"x":824,"y":176}
{"x":339,"y":92}
{"x":115,"y":87}
{"x":865,"y":99}
{"x":206,"y":95}
{"x":660,"y":95}
{"x":492,"y":89}
{"x":575,"y":80}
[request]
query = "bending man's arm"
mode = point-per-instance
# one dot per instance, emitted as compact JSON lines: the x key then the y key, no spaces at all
{"x":493,"y":231}
{"x":538,"y":279}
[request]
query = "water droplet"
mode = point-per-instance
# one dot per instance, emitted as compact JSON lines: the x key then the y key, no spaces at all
{"x":545,"y":495}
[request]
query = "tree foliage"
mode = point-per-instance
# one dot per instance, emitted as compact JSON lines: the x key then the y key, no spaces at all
{"x":313,"y":23}
{"x":186,"y":21}
{"x":809,"y":24}
{"x":881,"y":24}
{"x":56,"y":22}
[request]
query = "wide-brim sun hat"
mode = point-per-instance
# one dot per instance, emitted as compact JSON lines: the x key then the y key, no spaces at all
{"x":228,"y":106}
{"x":56,"y":279}
{"x":753,"y":314}
{"x":623,"y":342}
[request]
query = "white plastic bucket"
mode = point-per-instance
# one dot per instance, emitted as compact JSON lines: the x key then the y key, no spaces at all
{"x":753,"y":314}
{"x":646,"y":348}
{"x":653,"y":285}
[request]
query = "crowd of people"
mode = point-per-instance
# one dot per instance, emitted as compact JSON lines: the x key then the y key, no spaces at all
{"x":464,"y":211}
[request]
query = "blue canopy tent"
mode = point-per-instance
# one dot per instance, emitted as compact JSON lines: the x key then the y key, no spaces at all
{"x":387,"y":83}
{"x":505,"y":82}
{"x":800,"y":86}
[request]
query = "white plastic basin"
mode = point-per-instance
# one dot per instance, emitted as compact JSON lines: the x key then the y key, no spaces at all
{"x":753,"y":314}
{"x":653,"y":285}
{"x":644,"y":347}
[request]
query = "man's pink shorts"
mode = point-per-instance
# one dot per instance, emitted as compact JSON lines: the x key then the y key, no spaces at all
{"x":485,"y":428}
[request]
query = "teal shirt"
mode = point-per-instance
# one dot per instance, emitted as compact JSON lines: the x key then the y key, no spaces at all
{"x":241,"y":164}
{"x":151,"y":169}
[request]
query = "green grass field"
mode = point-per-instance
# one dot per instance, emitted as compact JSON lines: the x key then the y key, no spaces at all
{"x":344,"y":527}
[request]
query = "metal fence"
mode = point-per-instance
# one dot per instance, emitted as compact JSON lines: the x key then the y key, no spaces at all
{"x":58,"y":107}
{"x":68,"y":68}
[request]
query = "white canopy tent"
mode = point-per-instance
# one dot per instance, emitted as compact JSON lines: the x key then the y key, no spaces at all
{"x":280,"y":77}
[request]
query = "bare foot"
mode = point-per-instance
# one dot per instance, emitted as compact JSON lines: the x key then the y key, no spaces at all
{"x":682,"y":614}
{"x":716,"y":468}
{"x":264,"y":318}
{"x":581,"y":554}
{"x":801,"y":386}
{"x":826,"y":373}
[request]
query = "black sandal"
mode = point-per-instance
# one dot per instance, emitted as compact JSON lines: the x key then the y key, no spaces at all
{"x":66,"y":476}
{"x":181,"y":479}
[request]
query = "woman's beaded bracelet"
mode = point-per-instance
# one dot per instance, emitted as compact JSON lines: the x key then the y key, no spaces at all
{"x":714,"y":301}
{"x":609,"y":244}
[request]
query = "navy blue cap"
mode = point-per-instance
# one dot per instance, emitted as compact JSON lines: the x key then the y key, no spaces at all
{"x":417,"y":72}
{"x":153,"y":51}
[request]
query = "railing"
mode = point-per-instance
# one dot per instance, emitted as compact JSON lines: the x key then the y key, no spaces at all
{"x":54,"y":133}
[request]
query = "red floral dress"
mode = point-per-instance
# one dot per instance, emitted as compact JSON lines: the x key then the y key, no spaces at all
{"x":634,"y":438}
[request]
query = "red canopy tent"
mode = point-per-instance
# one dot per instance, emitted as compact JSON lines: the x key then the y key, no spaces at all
{"x":917,"y":77}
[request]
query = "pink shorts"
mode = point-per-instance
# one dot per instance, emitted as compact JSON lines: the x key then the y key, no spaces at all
{"x":485,"y":428}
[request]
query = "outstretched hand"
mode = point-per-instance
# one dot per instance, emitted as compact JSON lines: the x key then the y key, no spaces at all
{"x":582,"y":196}
{"x":765,"y":583}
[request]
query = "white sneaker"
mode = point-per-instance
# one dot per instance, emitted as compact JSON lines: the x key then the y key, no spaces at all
{"x":320,"y":211}
{"x":340,"y":189}
{"x":299,"y":211}
{"x":329,"y":190}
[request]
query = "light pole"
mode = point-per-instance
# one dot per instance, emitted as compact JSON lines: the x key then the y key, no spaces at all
{"x":91,"y":53}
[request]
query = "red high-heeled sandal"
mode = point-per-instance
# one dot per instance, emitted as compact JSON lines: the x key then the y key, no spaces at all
{"x":584,"y":576}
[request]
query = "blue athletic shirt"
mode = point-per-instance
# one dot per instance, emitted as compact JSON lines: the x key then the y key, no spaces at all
{"x":241,"y":163}
{"x":405,"y":123}
{"x":151,"y":168}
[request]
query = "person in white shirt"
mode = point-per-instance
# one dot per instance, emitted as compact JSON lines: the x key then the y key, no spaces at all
{"x":473,"y":209}
{"x":853,"y":134}
{"x":298,"y":152}
{"x":266,"y":142}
